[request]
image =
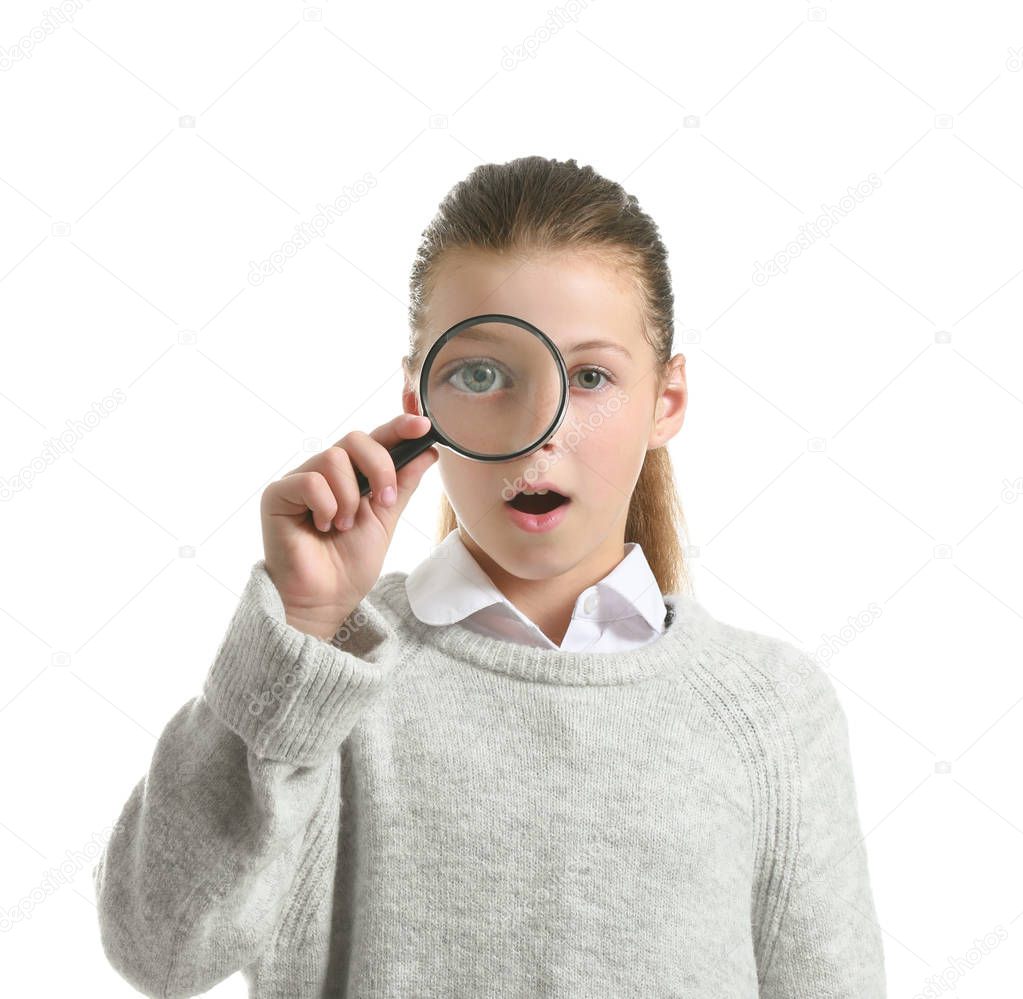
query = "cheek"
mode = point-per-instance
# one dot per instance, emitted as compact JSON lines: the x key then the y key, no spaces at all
{"x":468,"y":483}
{"x":616,"y":445}
{"x":616,"y":435}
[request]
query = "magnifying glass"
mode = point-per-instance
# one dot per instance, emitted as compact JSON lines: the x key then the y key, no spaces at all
{"x":494,"y":387}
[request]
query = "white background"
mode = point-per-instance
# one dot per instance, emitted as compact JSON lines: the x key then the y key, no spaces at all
{"x":851,"y":449}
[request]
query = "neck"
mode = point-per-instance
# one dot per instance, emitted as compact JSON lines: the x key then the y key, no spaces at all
{"x":549,"y":602}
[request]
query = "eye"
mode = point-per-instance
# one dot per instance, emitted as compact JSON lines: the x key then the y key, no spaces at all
{"x":606,"y":375}
{"x":477,"y":376}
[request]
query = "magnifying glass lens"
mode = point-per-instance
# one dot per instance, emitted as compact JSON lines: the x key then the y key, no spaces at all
{"x":494,"y":389}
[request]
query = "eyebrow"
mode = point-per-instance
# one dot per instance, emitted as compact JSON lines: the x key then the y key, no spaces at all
{"x":479,"y":334}
{"x":608,"y":344}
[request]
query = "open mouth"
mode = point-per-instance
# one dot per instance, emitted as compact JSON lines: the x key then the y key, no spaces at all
{"x":537,"y":503}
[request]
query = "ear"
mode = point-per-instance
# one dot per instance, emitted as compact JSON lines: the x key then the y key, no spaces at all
{"x":670,"y":408}
{"x":409,"y":394}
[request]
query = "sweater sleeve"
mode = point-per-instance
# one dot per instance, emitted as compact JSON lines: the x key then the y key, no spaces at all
{"x":198,"y":871}
{"x":828,"y":942}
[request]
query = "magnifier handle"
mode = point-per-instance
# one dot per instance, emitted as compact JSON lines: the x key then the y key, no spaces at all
{"x":401,"y":454}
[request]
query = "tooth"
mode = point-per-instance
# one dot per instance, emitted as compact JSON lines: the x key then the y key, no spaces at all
{"x":535,"y":492}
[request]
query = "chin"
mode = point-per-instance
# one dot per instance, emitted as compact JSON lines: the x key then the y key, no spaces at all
{"x":533,"y":557}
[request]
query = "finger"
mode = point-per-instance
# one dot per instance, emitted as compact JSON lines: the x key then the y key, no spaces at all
{"x":370,"y":453}
{"x":335,"y":465}
{"x":409,"y":477}
{"x":372,"y":459}
{"x":402,"y":427}
{"x":298,"y":493}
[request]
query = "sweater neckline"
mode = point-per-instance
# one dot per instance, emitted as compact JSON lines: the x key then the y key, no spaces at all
{"x":684,"y":632}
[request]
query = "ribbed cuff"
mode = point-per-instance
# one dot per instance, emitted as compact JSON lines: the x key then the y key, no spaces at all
{"x":290,"y":695}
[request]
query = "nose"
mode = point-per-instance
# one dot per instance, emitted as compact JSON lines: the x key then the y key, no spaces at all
{"x":556,"y":442}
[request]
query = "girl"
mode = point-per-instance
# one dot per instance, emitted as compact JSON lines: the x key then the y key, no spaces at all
{"x":536,"y":765}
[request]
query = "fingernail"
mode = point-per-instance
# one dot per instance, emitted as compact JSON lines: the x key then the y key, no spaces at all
{"x":346,"y":523}
{"x":388,"y":496}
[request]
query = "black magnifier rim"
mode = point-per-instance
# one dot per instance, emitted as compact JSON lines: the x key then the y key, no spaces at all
{"x":494,"y":317}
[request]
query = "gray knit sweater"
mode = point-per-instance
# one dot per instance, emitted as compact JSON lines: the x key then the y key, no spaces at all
{"x":410,"y":810}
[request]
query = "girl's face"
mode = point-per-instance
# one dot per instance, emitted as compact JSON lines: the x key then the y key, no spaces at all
{"x":614,"y":416}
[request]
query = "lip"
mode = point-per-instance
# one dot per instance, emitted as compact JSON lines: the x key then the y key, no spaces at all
{"x":536,"y":486}
{"x":537,"y":523}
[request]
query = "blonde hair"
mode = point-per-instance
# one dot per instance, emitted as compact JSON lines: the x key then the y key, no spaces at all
{"x":534,"y":204}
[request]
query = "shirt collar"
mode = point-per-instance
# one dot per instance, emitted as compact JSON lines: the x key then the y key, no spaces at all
{"x":449,"y":585}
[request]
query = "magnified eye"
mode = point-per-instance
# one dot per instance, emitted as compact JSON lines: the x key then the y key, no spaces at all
{"x":477,"y":377}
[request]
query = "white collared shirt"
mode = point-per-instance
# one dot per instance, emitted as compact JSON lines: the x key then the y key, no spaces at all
{"x":624,"y":610}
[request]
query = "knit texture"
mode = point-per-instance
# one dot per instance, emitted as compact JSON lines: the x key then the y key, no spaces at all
{"x":410,"y":810}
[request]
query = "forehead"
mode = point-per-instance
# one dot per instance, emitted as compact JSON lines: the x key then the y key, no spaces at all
{"x":571,"y":296}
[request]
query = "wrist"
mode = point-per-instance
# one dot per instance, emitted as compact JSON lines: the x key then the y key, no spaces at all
{"x":319,"y":628}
